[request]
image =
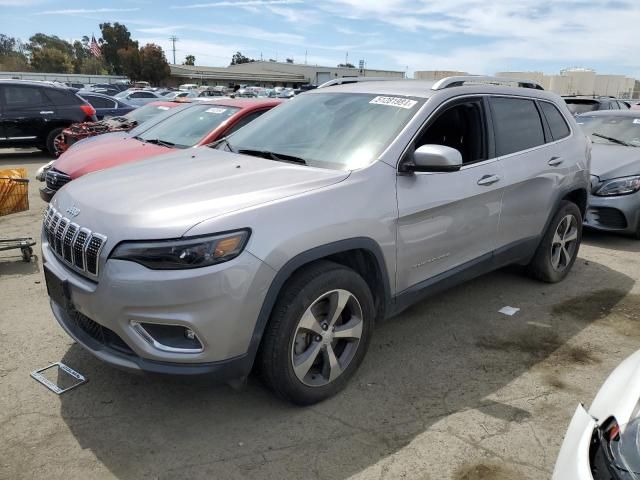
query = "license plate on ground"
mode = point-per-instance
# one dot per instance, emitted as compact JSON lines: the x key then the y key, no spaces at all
{"x":57,"y":289}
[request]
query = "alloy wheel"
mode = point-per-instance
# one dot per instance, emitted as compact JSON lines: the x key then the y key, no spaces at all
{"x":564,"y":243}
{"x":327,"y":338}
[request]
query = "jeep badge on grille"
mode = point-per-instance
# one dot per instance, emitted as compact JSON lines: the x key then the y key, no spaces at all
{"x":73,"y":211}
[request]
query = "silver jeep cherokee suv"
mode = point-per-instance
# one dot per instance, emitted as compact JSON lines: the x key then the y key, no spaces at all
{"x":283,"y":244}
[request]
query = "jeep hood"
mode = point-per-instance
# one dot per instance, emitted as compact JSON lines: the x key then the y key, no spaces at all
{"x":105,"y":151}
{"x":614,"y":161}
{"x":164,"y":197}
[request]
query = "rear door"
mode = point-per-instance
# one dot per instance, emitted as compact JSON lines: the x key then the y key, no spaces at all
{"x":535,"y":164}
{"x":105,"y":107}
{"x":449,"y":219}
{"x":26,"y":111}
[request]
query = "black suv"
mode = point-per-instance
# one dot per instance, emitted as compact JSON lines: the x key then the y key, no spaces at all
{"x":583,"y":104}
{"x":33,"y":114}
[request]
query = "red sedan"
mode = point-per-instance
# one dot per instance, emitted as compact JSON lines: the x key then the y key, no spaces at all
{"x":79,"y":131}
{"x":198,"y":124}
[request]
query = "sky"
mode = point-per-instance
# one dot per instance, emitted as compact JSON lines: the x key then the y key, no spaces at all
{"x":476,"y":36}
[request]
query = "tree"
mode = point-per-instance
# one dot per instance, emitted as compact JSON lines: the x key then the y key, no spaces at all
{"x":114,"y":38}
{"x":346,"y":65}
{"x":289,"y":60}
{"x":238,"y":58}
{"x":154,"y":65}
{"x":51,"y":54}
{"x":13,"y":56}
{"x":93,"y":66}
{"x":130,"y":63}
{"x":49,"y":59}
{"x":190,"y":60}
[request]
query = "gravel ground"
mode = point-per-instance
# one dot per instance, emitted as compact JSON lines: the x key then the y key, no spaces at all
{"x":451,"y":389}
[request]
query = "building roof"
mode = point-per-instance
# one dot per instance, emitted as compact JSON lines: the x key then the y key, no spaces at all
{"x":223,"y":73}
{"x":305,"y":65}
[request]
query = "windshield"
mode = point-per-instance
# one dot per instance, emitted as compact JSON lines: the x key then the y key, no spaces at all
{"x":188,"y":127}
{"x":582,"y":106}
{"x":619,"y":129}
{"x":141,"y":115}
{"x":330,"y":130}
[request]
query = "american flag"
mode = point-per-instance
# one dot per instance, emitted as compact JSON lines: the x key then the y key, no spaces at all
{"x":94,"y":47}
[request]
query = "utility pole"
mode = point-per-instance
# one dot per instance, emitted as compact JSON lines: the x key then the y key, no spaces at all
{"x":346,"y":59}
{"x":305,"y":57}
{"x":174,"y":39}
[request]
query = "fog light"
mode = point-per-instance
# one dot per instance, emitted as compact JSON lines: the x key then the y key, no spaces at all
{"x":169,"y":338}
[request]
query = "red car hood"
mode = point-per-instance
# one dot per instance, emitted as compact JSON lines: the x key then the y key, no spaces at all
{"x":104,"y":153}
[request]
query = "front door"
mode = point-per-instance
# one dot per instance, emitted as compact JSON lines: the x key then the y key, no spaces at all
{"x":448,"y":220}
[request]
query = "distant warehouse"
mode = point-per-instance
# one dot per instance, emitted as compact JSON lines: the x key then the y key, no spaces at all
{"x":267,"y":74}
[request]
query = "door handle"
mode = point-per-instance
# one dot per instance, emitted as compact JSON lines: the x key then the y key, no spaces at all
{"x":555,"y":161}
{"x":488,"y":180}
{"x":46,"y":112}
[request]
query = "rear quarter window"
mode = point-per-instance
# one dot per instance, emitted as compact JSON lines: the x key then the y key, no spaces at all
{"x":555,"y":120}
{"x":99,"y":102}
{"x":517,"y":125}
{"x":59,"y":96}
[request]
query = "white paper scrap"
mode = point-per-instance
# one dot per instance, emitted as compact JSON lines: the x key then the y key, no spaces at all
{"x":511,"y":311}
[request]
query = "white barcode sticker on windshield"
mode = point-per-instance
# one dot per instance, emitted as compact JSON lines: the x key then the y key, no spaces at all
{"x":216,"y":110}
{"x":394,"y":102}
{"x":636,"y":121}
{"x":163,"y":108}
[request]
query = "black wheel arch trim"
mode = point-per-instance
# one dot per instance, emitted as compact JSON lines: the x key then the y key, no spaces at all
{"x":305,"y":258}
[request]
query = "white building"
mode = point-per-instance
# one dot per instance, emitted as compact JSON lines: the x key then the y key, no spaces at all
{"x":313,"y":74}
{"x":435,"y":75}
{"x":580,"y":81}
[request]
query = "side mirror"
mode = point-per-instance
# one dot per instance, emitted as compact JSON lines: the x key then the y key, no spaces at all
{"x":434,"y":158}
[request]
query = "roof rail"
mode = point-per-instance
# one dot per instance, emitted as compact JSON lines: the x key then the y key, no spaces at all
{"x":345,"y":80}
{"x":461,"y":80}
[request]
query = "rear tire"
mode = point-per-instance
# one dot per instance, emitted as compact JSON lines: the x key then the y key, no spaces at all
{"x":52,"y":139}
{"x":312,"y":347}
{"x":559,"y":247}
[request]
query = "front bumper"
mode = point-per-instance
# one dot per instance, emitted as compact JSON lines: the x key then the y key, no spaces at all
{"x":47,"y":193}
{"x":614,"y":214}
{"x":219,"y":303}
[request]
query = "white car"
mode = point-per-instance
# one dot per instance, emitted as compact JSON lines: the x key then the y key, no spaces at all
{"x":603,"y":442}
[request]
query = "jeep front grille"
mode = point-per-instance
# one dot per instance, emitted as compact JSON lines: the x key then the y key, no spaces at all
{"x":76,"y":246}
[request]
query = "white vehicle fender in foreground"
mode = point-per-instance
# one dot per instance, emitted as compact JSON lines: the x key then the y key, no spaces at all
{"x":573,"y":460}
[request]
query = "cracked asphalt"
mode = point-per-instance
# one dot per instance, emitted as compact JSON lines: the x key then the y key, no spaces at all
{"x":450,"y":389}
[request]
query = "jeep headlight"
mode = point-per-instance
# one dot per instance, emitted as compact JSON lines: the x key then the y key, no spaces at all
{"x":619,"y":186}
{"x":183,"y":253}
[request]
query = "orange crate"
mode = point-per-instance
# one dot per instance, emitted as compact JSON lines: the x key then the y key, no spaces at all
{"x":14,"y":191}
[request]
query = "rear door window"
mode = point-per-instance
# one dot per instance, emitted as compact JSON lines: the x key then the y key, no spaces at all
{"x":555,"y":120}
{"x":18,"y":96}
{"x":517,"y":125}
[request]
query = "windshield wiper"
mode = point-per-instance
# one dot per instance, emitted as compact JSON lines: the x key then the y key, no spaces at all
{"x":220,"y":141}
{"x":613,"y":140}
{"x":280,"y":157}
{"x":157,"y":141}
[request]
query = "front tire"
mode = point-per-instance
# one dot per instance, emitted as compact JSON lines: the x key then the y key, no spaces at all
{"x":318,"y":333}
{"x":558,"y":250}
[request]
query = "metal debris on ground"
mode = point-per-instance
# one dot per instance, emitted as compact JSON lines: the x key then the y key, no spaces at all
{"x":67,"y":378}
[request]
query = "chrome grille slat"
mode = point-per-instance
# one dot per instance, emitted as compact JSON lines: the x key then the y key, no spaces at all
{"x":76,"y":246}
{"x":59,"y":235}
{"x":69,"y":236}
